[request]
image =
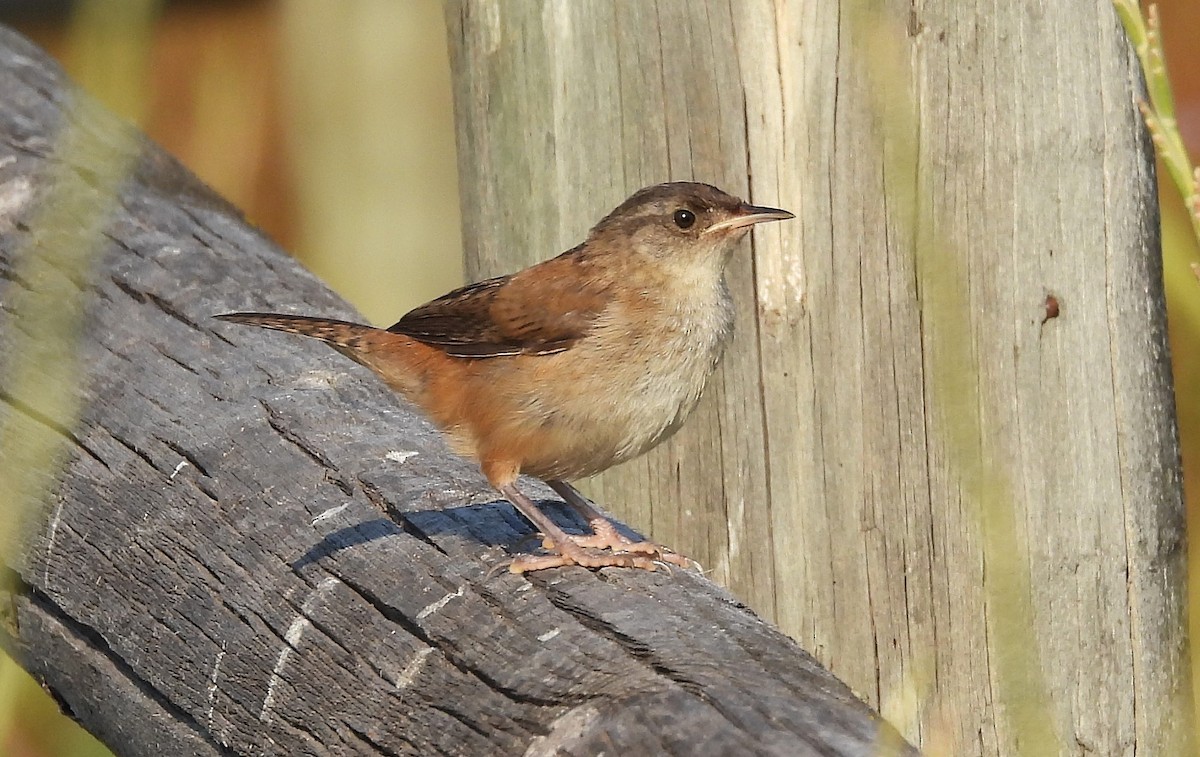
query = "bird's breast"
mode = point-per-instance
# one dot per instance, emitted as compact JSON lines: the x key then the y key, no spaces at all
{"x":628,"y":385}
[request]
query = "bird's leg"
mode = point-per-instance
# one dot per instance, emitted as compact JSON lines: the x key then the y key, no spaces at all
{"x":567,"y":551}
{"x":605,"y":535}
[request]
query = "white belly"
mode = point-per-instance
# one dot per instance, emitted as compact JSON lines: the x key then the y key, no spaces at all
{"x":641,"y":387}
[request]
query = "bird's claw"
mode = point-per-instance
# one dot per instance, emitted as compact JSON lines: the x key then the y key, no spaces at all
{"x":587,"y":558}
{"x":605,"y":547}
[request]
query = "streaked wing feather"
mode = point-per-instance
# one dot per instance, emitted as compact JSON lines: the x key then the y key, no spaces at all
{"x":539,"y":311}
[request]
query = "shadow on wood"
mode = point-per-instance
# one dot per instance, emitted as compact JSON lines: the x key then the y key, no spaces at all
{"x":254,"y":547}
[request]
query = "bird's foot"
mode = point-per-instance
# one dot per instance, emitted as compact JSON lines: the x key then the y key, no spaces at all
{"x":573,"y":554}
{"x":603,"y":548}
{"x":606,"y":536}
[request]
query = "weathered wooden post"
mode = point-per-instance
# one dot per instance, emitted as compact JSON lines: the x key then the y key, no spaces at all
{"x":824,"y":477}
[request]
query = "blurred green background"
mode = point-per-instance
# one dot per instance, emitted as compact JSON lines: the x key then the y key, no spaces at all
{"x":330,"y":124}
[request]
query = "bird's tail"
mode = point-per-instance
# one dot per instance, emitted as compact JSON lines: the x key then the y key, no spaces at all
{"x":394,"y":357}
{"x":335,"y":333}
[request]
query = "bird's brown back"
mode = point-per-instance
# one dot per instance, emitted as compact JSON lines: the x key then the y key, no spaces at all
{"x":539,"y":311}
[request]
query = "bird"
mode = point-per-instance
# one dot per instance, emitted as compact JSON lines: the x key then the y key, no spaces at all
{"x":573,"y":365}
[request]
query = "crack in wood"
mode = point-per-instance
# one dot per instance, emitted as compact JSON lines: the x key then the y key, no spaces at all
{"x":311,"y":452}
{"x":376,"y":497}
{"x":417,"y":631}
{"x":129,"y":445}
{"x":645,"y":655}
{"x":8,"y":273}
{"x":52,"y":425}
{"x":188,"y":457}
{"x":157,"y":348}
{"x":365,"y":739}
{"x":158,"y":302}
{"x":94,"y":641}
{"x":291,"y":639}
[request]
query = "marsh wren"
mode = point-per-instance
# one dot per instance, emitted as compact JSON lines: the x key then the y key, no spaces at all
{"x":573,"y":365}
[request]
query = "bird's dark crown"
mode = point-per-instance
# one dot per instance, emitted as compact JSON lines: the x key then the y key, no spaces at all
{"x":660,"y":201}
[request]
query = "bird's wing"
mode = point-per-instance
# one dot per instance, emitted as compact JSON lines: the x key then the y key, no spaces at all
{"x":538,"y":311}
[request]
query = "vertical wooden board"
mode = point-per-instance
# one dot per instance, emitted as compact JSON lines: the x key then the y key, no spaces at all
{"x":634,"y":94}
{"x":1155,"y":575}
{"x":962,"y":707}
{"x":1035,"y":123}
{"x":789,"y":89}
{"x":817,"y":477}
{"x":504,"y":227}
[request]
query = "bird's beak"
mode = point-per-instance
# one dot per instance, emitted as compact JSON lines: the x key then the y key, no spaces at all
{"x":748,"y":215}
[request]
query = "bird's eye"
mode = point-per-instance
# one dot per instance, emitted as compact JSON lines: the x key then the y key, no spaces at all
{"x":684,"y":219}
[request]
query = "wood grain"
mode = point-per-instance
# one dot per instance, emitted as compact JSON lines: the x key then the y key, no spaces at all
{"x":822,"y":478}
{"x":253,"y":547}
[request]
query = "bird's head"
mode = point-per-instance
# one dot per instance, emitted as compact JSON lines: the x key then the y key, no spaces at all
{"x":681,"y":224}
